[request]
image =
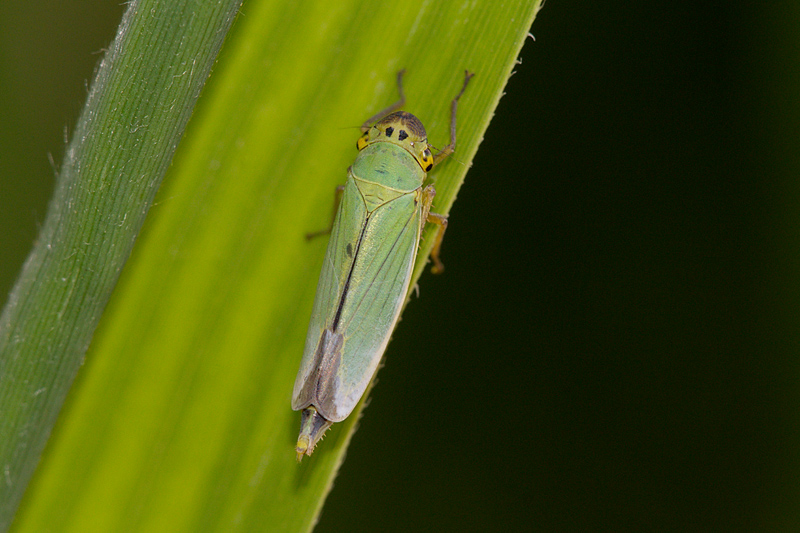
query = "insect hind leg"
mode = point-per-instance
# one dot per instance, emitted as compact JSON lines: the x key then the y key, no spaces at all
{"x":337,"y":199}
{"x":434,"y":218}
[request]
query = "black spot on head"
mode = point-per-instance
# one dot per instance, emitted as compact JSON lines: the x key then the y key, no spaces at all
{"x":389,"y":131}
{"x":402,"y":136}
{"x":349,"y":250}
{"x":429,"y":167}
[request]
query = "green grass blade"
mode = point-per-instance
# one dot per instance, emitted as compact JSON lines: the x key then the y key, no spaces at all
{"x":181,"y":419}
{"x":138,"y":107}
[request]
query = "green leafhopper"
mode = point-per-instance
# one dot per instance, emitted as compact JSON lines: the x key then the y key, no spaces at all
{"x":382,"y":210}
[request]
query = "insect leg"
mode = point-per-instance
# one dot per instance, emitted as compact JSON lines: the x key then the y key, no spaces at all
{"x":450,"y":148}
{"x":440,"y":220}
{"x":337,"y":199}
{"x":391,"y":109}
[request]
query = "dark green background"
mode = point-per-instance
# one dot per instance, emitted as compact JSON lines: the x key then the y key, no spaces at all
{"x":614,"y":343}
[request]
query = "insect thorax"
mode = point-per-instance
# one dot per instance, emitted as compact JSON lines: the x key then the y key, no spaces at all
{"x":388,"y":165}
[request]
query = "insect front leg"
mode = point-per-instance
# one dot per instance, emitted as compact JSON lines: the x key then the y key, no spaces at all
{"x":337,"y":199}
{"x":440,"y":220}
{"x":391,"y":109}
{"x":450,"y":148}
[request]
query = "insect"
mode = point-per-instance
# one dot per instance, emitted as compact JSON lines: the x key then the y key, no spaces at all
{"x":382,"y":210}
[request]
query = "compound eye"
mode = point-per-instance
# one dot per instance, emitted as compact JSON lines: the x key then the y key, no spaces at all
{"x":427,"y":160}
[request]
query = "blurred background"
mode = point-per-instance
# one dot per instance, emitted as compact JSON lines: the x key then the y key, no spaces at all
{"x":614,"y":342}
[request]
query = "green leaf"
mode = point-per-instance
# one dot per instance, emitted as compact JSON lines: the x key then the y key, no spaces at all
{"x":136,"y":112}
{"x":181,"y":418}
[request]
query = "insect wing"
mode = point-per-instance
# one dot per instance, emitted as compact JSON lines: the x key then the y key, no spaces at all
{"x":347,"y":228}
{"x":375,"y":295}
{"x":338,"y":362}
